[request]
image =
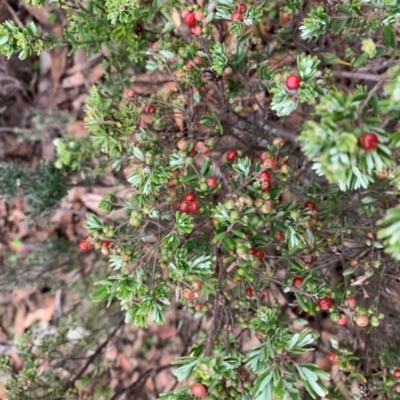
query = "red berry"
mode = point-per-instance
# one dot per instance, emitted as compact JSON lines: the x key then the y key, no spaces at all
{"x":278,"y":142}
{"x":105,"y":244}
{"x":190,"y":19}
{"x":342,"y":320}
{"x":369,"y":141}
{"x":265,"y":154}
{"x":171,"y":183}
{"x":184,"y":13}
{"x":241,"y":8}
{"x":194,"y":207}
{"x":189,"y":66}
{"x":198,"y":61}
{"x":184,"y":206}
{"x":150,"y":109}
{"x":198,"y":390}
{"x":231,"y":155}
{"x":269,"y":162}
{"x":332,"y":357}
{"x":266,"y":186}
{"x":293,"y":82}
{"x":264,"y":176}
{"x":297,"y":282}
{"x":205,"y":150}
{"x":197,"y":285}
{"x":279,"y":235}
{"x":84,"y":245}
{"x":189,"y":197}
{"x":396,"y":373}
{"x":237,"y":16}
{"x":212,"y":182}
{"x":307,"y":259}
{"x":325,"y":304}
{"x":286,"y":17}
{"x":199,"y":15}
{"x":259,"y":253}
{"x":350,"y":302}
{"x":362,"y":321}
{"x":310,"y":205}
{"x":199,"y":145}
{"x":196,"y":30}
{"x":199,"y":307}
{"x":187,"y":294}
{"x":249,"y":292}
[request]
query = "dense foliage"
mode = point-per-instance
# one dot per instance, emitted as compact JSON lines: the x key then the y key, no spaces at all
{"x":210,"y":225}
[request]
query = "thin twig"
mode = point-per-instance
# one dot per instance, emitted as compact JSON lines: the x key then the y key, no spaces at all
{"x":358,"y":75}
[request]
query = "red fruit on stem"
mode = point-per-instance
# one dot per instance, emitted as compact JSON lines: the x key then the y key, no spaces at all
{"x":199,"y":307}
{"x":292,"y":82}
{"x":278,"y":142}
{"x":231,"y":155}
{"x":396,"y":372}
{"x":105,"y":244}
{"x":264,"y":176}
{"x":205,"y":150}
{"x":84,"y":245}
{"x":189,"y":197}
{"x":264,"y":154}
{"x":184,"y":206}
{"x":249,"y":292}
{"x":369,"y":141}
{"x":237,"y":16}
{"x":325,"y":304}
{"x":310,"y":205}
{"x":171,"y":183}
{"x":332,"y":357}
{"x":362,"y":321}
{"x":307,"y":259}
{"x":197,"y":285}
{"x":259,"y":253}
{"x":279,"y":235}
{"x":242,"y":8}
{"x":150,"y":109}
{"x":199,"y":16}
{"x":211,"y":182}
{"x":198,"y":61}
{"x":269,"y":162}
{"x":297,"y":282}
{"x":196,"y":30}
{"x":194,"y":207}
{"x":286,"y":17}
{"x":187,"y":294}
{"x":190,"y":19}
{"x":184,"y":13}
{"x":199,"y":145}
{"x":198,"y":390}
{"x":342,"y":320}
{"x":350,"y":302}
{"x":266,"y":186}
{"x":189,"y":66}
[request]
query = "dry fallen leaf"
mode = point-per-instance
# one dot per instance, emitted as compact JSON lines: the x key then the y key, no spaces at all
{"x":43,"y":314}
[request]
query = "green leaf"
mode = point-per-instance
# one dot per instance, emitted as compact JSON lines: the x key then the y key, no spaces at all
{"x":360,"y":60}
{"x":99,"y":294}
{"x":344,"y":10}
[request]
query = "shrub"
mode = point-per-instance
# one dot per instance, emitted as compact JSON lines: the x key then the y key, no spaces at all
{"x":208,"y":222}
